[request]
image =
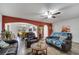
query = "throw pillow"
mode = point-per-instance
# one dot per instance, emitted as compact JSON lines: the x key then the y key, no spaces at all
{"x":3,"y":44}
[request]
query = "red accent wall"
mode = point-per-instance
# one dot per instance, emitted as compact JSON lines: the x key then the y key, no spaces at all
{"x":9,"y":19}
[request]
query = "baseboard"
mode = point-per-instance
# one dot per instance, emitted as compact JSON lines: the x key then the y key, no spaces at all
{"x":75,"y":42}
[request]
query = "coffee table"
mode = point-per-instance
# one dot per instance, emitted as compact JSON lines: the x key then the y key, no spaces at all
{"x":39,"y":47}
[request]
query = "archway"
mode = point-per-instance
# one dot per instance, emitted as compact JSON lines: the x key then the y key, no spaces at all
{"x":9,"y":19}
{"x":15,"y":27}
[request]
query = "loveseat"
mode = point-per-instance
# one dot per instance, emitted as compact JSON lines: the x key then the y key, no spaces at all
{"x":61,"y":40}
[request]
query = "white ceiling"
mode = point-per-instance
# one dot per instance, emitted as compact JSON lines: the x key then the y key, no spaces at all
{"x":33,"y":10}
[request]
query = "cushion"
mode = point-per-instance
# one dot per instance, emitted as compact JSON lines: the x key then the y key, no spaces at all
{"x":62,"y":37}
{"x":64,"y":33}
{"x":55,"y":34}
{"x":58,"y":43}
{"x":53,"y":37}
{"x":3,"y":44}
{"x":49,"y":40}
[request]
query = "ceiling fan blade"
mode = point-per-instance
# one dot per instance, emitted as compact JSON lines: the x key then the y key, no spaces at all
{"x":56,"y":13}
{"x":53,"y":16}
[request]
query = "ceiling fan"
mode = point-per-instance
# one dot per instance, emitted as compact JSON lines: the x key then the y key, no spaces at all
{"x":50,"y":14}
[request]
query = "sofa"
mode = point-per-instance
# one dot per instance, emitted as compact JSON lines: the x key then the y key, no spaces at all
{"x":60,"y":40}
{"x":8,"y":47}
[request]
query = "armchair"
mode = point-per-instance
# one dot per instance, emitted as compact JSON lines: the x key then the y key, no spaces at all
{"x":31,"y":39}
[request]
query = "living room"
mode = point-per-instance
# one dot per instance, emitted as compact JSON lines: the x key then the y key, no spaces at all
{"x":39,"y":29}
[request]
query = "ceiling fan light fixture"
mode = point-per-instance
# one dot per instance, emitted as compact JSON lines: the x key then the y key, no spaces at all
{"x":51,"y":13}
{"x":49,"y":16}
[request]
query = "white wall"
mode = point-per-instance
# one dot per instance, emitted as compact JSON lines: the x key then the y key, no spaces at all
{"x":0,"y":23}
{"x":73,"y":23}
